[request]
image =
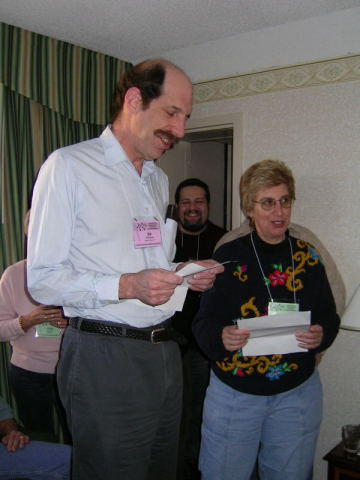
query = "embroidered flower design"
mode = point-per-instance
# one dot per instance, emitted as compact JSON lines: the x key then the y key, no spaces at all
{"x":278,"y":277}
{"x":238,"y":372}
{"x":314,"y":254}
{"x":240,"y":272}
{"x":268,"y":366}
{"x":277,"y":371}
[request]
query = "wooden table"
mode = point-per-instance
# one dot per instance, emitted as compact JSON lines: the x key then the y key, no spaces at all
{"x":342,"y":465}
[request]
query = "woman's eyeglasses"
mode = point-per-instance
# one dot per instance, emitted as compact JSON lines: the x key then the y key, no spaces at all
{"x":270,"y":203}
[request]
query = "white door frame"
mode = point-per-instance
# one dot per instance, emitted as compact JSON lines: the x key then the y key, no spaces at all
{"x":233,"y":121}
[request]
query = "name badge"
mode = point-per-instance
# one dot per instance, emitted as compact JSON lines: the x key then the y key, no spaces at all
{"x":146,"y":233}
{"x":45,"y":330}
{"x":281,"y":307}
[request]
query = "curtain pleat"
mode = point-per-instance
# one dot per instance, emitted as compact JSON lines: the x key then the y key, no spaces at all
{"x":68,"y":79}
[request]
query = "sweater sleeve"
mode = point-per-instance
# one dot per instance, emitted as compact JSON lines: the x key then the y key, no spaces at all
{"x":214,"y":314}
{"x":9,"y":317}
{"x":324,"y":311}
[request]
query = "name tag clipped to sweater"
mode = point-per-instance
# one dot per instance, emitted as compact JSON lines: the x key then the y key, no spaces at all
{"x":281,"y":307}
{"x":46,"y":330}
{"x":146,"y":233}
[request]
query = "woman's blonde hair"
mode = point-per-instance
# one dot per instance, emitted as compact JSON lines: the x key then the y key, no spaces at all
{"x":264,"y":174}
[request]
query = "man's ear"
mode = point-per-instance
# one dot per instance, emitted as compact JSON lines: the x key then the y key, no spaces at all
{"x":133,"y":100}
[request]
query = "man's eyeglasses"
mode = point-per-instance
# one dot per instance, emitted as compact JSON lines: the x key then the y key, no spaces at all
{"x":270,"y":203}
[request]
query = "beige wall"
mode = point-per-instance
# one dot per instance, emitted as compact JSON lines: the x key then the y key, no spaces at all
{"x":315,"y":130}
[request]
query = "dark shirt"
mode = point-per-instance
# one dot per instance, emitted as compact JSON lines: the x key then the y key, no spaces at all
{"x":194,"y":247}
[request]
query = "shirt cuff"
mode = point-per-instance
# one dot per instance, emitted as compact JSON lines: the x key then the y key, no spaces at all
{"x":107,"y":288}
{"x":173,"y":266}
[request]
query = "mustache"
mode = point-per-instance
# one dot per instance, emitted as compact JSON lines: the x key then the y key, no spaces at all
{"x":187,"y":212}
{"x":165,"y":133}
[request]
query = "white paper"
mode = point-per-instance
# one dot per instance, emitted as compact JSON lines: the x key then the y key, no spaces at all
{"x":170,"y":229}
{"x":192,"y":268}
{"x":274,"y":334}
{"x":176,"y":301}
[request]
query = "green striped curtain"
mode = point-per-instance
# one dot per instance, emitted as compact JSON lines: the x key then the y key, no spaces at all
{"x":71,"y":80}
{"x":30,"y":133}
{"x":52,"y":94}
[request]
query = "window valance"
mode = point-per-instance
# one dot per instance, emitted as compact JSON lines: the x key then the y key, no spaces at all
{"x":73,"y":81}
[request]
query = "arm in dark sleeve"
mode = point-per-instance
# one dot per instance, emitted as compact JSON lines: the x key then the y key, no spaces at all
{"x":216,"y":311}
{"x":324,"y":312}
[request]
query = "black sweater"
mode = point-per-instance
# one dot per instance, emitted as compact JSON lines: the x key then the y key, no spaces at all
{"x":240,"y":292}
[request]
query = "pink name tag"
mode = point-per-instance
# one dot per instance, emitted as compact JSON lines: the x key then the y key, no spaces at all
{"x":146,"y":233}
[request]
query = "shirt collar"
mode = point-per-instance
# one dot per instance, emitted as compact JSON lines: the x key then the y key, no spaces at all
{"x":114,"y":153}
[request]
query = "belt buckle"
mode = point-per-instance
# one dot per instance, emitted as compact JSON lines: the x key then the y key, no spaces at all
{"x":154,"y":332}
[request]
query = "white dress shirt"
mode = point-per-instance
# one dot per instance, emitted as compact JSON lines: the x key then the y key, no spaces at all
{"x":81,"y":231}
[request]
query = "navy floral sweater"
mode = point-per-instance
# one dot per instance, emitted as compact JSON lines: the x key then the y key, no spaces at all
{"x":241,"y":292}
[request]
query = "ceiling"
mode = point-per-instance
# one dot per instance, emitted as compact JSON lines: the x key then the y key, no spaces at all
{"x":136,"y":29}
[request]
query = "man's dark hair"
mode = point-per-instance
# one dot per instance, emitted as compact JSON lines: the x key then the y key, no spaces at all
{"x":192,"y":182}
{"x":147,"y":76}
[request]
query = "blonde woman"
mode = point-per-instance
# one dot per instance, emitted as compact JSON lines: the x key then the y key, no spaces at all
{"x":265,"y":407}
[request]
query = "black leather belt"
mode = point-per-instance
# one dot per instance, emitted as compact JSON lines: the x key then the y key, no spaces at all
{"x":157,"y":335}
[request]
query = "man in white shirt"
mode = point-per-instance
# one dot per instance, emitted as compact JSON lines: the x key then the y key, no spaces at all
{"x":99,"y":246}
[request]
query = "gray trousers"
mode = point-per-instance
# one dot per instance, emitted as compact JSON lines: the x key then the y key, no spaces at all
{"x":123,"y":403}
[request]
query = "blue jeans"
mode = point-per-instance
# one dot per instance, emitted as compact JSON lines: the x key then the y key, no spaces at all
{"x":36,"y":461}
{"x":279,"y":430}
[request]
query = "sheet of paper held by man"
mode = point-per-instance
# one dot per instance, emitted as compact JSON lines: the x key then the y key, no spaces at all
{"x":274,"y":334}
{"x":176,"y":302}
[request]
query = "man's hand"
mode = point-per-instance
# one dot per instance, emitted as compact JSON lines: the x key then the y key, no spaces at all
{"x":199,"y":282}
{"x":153,"y":286}
{"x":14,"y":440}
{"x":311,"y":338}
{"x":234,"y":338}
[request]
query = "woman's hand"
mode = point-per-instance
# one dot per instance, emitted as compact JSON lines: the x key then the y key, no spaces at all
{"x":234,"y":338}
{"x":42,"y":314}
{"x":14,"y":440}
{"x":311,"y":338}
{"x":59,"y":320}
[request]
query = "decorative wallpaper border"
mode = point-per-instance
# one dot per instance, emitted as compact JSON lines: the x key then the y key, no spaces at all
{"x":325,"y":72}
